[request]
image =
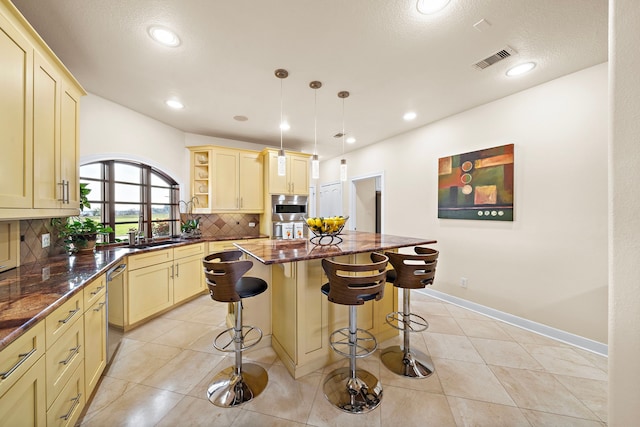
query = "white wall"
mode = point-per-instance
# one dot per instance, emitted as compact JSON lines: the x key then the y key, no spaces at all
{"x":550,"y":264}
{"x":624,"y":222}
{"x":111,"y":131}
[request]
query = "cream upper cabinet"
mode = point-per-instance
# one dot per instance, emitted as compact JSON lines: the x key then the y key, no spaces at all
{"x":296,"y":178}
{"x":237,"y":183}
{"x":9,"y":244}
{"x":226,"y":180}
{"x":39,"y":109}
{"x":16,"y":103}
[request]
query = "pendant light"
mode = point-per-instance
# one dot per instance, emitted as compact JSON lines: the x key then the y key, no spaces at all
{"x":343,"y":163}
{"x":315,"y":163}
{"x":282,"y":160}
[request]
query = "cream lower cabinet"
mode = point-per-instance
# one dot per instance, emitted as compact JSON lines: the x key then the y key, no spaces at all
{"x":23,"y":380}
{"x":95,"y":332}
{"x":188,"y":277}
{"x":24,"y":405}
{"x":150,"y":290}
{"x":159,"y":279}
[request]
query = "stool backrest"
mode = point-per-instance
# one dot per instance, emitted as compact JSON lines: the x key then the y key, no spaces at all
{"x":414,"y":271}
{"x":345,"y":287}
{"x":222,"y":271}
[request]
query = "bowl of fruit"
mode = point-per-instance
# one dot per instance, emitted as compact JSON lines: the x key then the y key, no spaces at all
{"x":326,"y":229}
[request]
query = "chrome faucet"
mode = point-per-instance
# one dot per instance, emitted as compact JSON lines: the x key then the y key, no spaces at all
{"x":140,"y":237}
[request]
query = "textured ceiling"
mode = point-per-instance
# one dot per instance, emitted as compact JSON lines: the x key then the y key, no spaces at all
{"x":390,"y":57}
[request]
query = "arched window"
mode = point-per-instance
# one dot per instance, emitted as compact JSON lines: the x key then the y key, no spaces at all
{"x":125,"y":194}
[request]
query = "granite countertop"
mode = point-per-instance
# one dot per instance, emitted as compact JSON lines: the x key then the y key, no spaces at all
{"x":283,"y":251}
{"x":30,"y":292}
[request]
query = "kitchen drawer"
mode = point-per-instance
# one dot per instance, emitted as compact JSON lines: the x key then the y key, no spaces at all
{"x":63,"y":358}
{"x":20,"y":355}
{"x":149,"y":258}
{"x":94,"y":291}
{"x":58,"y":322}
{"x":224,"y":245}
{"x":66,"y":409}
{"x":189,"y":250}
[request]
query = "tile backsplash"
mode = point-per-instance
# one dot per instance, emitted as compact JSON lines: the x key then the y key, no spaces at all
{"x":31,"y":249}
{"x":211,"y":225}
{"x":228,"y":225}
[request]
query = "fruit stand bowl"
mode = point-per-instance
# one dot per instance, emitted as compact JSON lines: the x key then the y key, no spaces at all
{"x":326,"y":230}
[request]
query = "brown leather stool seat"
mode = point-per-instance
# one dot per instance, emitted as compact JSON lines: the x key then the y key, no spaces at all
{"x":350,"y":389}
{"x":225,"y":278}
{"x":409,"y":272}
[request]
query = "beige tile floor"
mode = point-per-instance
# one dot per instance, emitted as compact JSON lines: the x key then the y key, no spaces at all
{"x":488,"y":373}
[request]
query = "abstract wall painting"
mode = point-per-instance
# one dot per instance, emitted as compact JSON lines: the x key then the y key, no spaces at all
{"x":477,"y":185}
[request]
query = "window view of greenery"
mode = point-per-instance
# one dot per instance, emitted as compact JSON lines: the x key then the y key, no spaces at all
{"x":125,"y":195}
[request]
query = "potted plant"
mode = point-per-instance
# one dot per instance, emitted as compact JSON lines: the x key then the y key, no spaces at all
{"x":80,"y":233}
{"x":189,"y":226}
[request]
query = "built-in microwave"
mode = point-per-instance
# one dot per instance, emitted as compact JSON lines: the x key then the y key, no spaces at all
{"x":286,"y":213}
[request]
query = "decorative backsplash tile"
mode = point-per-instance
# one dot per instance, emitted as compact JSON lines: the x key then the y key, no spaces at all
{"x":228,"y":225}
{"x":31,"y":231}
{"x":211,"y":225}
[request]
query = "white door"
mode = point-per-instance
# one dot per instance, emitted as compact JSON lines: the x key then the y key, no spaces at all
{"x":330,"y":203}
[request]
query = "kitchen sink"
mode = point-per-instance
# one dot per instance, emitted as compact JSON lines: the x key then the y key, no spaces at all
{"x":154,"y":244}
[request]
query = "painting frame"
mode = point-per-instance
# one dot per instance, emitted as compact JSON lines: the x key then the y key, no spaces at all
{"x":477,"y":185}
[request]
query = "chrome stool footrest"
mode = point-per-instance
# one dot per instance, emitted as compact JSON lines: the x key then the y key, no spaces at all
{"x":223,"y":345}
{"x":354,"y":395}
{"x":416,"y":323}
{"x":365,"y":343}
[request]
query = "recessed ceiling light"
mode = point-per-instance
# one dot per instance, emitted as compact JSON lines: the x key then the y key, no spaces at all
{"x":285,"y":126}
{"x":408,"y":116}
{"x":350,"y":140}
{"x":521,"y":69}
{"x":240,"y":118}
{"x":175,"y":104}
{"x":164,"y":36}
{"x":429,"y":7}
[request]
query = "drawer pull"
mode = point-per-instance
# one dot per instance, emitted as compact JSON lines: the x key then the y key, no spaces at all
{"x":98,"y":289}
{"x":71,"y":314}
{"x":24,"y":357}
{"x":73,"y":351}
{"x":100,"y":305}
{"x":76,"y":402}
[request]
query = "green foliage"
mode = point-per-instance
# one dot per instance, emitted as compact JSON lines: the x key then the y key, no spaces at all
{"x":84,"y":193}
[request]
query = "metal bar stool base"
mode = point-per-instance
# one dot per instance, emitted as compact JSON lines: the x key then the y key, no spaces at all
{"x":229,"y":389}
{"x":412,"y":364}
{"x":354,"y":395}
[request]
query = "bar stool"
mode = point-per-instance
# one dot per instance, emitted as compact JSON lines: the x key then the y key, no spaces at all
{"x":410,"y":272}
{"x":225,"y":278}
{"x":350,"y":389}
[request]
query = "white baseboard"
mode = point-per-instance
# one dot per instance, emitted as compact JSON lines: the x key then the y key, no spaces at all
{"x":538,"y":328}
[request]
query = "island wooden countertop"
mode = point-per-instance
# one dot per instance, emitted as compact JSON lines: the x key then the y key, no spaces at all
{"x":353,"y":242}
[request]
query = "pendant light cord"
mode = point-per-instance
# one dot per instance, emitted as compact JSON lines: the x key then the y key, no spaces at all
{"x":315,"y":122}
{"x":342,"y":127}
{"x":281,"y":114}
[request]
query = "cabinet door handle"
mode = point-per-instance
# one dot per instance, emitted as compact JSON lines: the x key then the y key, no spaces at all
{"x":171,"y":272}
{"x":62,"y":199}
{"x":72,"y":352}
{"x":241,"y":202}
{"x":71,"y":314}
{"x":76,"y":402}
{"x":68,"y":192}
{"x":177,"y":270}
{"x":23,"y":358}
{"x":100,"y":305}
{"x":98,"y":289}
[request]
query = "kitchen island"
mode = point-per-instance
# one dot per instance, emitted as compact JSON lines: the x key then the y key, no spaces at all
{"x":302,"y":319}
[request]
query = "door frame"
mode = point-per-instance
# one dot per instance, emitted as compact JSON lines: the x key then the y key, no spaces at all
{"x":352,"y":199}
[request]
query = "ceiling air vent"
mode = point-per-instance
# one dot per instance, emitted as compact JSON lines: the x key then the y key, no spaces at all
{"x":496,"y":57}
